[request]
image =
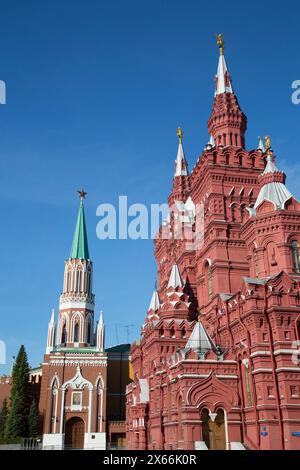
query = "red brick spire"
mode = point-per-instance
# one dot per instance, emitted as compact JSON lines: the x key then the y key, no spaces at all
{"x":227,"y":123}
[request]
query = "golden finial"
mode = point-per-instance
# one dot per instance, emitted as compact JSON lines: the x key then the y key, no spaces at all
{"x":267,"y":143}
{"x":82,"y":193}
{"x":180,"y":134}
{"x":220,"y":43}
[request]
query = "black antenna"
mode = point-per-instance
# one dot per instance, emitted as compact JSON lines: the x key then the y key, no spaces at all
{"x":128,"y":331}
{"x":116,"y":331}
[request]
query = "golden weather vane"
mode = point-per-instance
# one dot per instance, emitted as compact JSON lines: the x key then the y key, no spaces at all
{"x":220,"y":43}
{"x":180,"y":134}
{"x":267,"y":142}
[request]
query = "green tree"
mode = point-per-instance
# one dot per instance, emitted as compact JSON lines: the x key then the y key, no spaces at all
{"x":33,"y":420}
{"x":3,"y":418}
{"x":17,"y":421}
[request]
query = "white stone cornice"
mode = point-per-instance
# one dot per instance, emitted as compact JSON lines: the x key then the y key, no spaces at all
{"x":260,"y":353}
{"x":78,"y":362}
{"x":69,"y":305}
{"x":263,"y":370}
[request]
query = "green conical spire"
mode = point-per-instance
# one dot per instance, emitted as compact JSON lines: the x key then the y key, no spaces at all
{"x":80,"y":247}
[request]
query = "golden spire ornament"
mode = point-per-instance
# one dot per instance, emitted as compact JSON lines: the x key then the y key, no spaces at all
{"x":220,"y":43}
{"x":180,"y":134}
{"x":267,"y":143}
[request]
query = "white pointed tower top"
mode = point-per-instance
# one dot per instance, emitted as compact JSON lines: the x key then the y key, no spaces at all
{"x":223,"y":83}
{"x":180,"y":164}
{"x":270,"y":166}
{"x":52,"y":320}
{"x":155,"y":302}
{"x":175,"y":278}
{"x":101,"y":321}
{"x":200,"y":339}
{"x":211,"y":141}
{"x":273,"y":189}
{"x":261,"y":145}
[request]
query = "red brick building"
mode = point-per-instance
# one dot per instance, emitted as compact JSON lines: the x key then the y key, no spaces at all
{"x":216,"y":366}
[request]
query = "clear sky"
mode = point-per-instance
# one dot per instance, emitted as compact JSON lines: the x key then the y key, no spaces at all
{"x":95,"y":92}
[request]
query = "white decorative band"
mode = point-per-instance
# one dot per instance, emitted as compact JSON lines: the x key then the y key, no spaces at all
{"x":61,"y":362}
{"x":71,"y":305}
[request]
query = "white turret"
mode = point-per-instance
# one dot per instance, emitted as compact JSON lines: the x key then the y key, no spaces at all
{"x":180,"y":162}
{"x":155,"y":302}
{"x":223,"y":82}
{"x":51,"y":334}
{"x":175,"y":278}
{"x":100,"y":334}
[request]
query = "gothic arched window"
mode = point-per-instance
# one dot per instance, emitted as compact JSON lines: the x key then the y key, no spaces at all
{"x":88,"y":281}
{"x":78,"y":286}
{"x":64,"y":334}
{"x":255,"y":262}
{"x":296,"y":256}
{"x":88,"y":334}
{"x":69,"y":281}
{"x":209,"y":280}
{"x":76,"y":332}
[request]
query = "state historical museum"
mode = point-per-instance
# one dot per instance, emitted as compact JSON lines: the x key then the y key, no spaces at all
{"x":216,"y":366}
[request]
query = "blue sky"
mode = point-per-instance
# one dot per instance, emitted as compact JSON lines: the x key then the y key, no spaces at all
{"x":95,"y":92}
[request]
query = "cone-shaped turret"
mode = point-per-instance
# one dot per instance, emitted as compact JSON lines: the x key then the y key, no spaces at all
{"x":175,"y":278}
{"x":80,"y":248}
{"x":223,"y":82}
{"x":272,"y":185}
{"x":181,"y":179}
{"x":155,"y":302}
{"x":261,"y":145}
{"x":227,"y":123}
{"x":180,"y":162}
{"x":51,"y":334}
{"x":200,"y":340}
{"x":100,"y":334}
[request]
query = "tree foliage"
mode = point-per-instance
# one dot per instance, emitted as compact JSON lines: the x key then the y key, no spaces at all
{"x":17,"y":420}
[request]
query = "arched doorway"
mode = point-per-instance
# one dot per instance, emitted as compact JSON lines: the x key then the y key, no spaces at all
{"x":213,"y":429}
{"x":74,"y":434}
{"x":205,"y":427}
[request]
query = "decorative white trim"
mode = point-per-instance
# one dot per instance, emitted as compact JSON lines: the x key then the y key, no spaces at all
{"x":83,"y":305}
{"x":288,"y":369}
{"x":285,"y":351}
{"x":79,"y":362}
{"x":262,"y":370}
{"x":78,"y":382}
{"x":260,"y":353}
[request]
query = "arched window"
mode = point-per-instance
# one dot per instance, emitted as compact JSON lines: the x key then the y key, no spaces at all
{"x":205,"y":427}
{"x":78,"y":283}
{"x":298,"y":329}
{"x":69,"y":281}
{"x":296,"y":256}
{"x":243,"y":212}
{"x":255,"y":262}
{"x":180,"y":427}
{"x":183,"y":333}
{"x":76,"y":332}
{"x":88,"y":281}
{"x":64,"y":334}
{"x":209,"y":281}
{"x":172,"y":333}
{"x":247,"y":381}
{"x":233,"y":212}
{"x":88,"y":334}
